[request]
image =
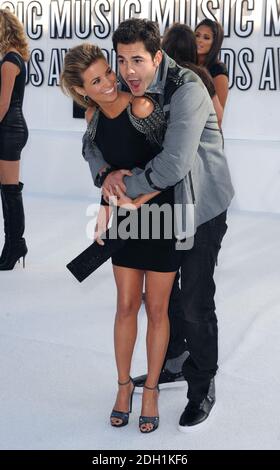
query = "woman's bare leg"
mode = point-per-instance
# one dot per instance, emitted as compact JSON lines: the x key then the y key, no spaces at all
{"x":158,"y":288}
{"x":9,"y":172}
{"x":129,"y":296}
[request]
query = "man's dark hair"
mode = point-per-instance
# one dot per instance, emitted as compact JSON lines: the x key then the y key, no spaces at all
{"x":138,"y":30}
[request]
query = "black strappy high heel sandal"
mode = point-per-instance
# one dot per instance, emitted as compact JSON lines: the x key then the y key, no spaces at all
{"x":153,"y":420}
{"x":123,"y":416}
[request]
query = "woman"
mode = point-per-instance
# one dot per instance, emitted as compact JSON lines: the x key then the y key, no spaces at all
{"x":209,"y":37}
{"x":13,"y":136}
{"x":128,"y":132}
{"x":179,"y":43}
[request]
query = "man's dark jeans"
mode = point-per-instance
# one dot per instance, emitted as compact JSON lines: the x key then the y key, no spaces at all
{"x":192,"y":311}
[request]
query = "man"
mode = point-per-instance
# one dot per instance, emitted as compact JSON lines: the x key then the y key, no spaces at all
{"x":192,"y":159}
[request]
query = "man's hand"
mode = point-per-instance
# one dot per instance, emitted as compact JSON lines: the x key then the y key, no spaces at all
{"x":115,"y":178}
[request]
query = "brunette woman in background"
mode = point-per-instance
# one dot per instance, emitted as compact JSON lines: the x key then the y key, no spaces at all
{"x":209,"y":38}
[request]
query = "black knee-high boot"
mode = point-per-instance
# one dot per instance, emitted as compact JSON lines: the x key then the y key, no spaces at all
{"x":15,"y":246}
{"x":6,"y":230}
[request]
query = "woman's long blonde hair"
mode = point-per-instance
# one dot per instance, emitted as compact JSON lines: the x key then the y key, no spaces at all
{"x":76,"y":61}
{"x":12,"y":34}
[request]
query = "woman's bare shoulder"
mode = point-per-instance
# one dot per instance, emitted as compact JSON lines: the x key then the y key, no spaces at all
{"x":89,"y":113}
{"x":142,"y":107}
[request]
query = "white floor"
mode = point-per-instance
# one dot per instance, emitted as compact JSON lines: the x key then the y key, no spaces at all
{"x":57,"y":371}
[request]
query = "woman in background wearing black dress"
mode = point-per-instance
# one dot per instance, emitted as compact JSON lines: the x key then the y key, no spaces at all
{"x":118,"y":126}
{"x":13,"y":136}
{"x":209,"y":39}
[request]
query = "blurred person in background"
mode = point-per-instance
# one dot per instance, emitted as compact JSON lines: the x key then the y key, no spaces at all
{"x":13,"y":136}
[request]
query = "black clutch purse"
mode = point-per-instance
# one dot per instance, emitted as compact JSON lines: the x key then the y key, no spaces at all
{"x":94,"y":256}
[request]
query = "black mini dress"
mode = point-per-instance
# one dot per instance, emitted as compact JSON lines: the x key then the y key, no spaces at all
{"x":123,"y":146}
{"x":13,"y":128}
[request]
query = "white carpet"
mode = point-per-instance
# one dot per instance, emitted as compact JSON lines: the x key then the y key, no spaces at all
{"x":57,"y":371}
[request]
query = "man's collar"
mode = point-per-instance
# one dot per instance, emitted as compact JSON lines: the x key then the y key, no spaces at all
{"x":158,"y":83}
{"x":154,"y":86}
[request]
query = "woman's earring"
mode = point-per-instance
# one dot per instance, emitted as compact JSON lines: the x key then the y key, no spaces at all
{"x":86,"y":99}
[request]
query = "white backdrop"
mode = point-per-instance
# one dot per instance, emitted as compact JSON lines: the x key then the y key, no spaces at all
{"x":52,"y":161}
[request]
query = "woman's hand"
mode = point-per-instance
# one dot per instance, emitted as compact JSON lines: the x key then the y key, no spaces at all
{"x":97,"y":235}
{"x":118,"y":198}
{"x":103,"y":218}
